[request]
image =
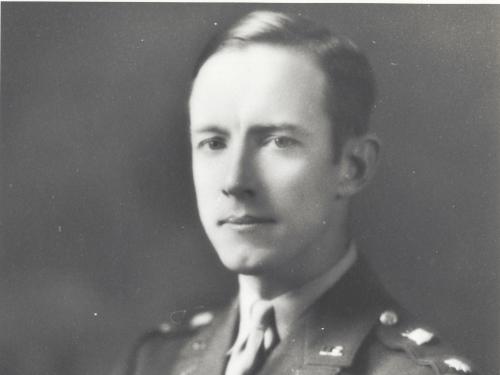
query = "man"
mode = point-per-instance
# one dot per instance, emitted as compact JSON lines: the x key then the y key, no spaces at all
{"x":279,"y":112}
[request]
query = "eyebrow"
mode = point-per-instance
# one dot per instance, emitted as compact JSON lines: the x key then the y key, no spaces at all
{"x":210,"y":129}
{"x":257,"y":128}
{"x":289,"y":127}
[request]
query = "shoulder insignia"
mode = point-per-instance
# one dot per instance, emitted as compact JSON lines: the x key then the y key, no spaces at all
{"x":201,"y":319}
{"x":399,"y":332}
{"x":458,"y":364}
{"x":181,"y":328}
{"x":419,"y":336}
{"x":182,"y":321}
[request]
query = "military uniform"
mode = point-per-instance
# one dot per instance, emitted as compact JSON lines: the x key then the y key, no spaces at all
{"x":355,"y":328}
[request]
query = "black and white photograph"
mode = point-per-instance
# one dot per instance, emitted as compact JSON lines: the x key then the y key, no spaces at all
{"x":250,"y":188}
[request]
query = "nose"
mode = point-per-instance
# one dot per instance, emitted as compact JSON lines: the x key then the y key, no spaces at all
{"x":240,"y":176}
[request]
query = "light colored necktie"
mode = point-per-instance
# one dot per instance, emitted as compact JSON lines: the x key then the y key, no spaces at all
{"x":248,"y":355}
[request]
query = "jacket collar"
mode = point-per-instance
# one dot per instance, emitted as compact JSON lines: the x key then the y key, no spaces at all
{"x":326,"y":338}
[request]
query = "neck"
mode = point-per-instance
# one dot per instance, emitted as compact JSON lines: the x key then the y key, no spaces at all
{"x":313,"y":262}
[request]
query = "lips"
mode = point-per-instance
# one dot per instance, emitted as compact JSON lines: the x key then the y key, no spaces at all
{"x":244,"y":220}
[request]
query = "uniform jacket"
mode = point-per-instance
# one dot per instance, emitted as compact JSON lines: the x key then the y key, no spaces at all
{"x":355,"y":328}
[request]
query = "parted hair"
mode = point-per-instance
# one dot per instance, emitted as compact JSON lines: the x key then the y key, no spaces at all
{"x":350,"y":82}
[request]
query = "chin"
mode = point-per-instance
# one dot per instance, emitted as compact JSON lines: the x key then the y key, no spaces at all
{"x":241,"y":261}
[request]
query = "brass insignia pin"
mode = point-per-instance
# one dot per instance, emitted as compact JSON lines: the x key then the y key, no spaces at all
{"x":457,"y":365}
{"x":332,"y":351}
{"x":419,"y":336}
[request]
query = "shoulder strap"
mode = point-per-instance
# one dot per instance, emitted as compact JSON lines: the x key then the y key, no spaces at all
{"x":400,"y":332}
{"x":174,"y":328}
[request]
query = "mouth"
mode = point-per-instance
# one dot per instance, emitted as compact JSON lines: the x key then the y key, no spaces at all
{"x":245,"y":221}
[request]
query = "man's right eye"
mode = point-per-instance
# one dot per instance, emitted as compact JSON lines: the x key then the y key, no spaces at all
{"x":212,"y":144}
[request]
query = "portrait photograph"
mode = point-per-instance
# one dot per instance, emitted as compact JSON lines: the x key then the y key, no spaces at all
{"x":249,"y":188}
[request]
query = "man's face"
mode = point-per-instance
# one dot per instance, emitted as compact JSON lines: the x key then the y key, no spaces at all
{"x":262,"y":158}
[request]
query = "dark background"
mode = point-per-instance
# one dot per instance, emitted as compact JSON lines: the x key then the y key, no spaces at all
{"x":99,"y":227}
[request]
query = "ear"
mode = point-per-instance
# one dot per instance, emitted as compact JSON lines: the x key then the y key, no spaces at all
{"x":358,"y":164}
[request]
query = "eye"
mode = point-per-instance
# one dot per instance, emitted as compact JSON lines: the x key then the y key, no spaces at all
{"x":283,"y":142}
{"x":215,"y":143}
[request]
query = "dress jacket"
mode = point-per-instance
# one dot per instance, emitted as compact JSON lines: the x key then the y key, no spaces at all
{"x":355,"y":328}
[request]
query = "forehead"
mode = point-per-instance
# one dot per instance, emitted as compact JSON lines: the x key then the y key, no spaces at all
{"x":260,"y":59}
{"x":255,"y":79}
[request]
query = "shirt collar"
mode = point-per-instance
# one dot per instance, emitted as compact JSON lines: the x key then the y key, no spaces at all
{"x":290,"y":305}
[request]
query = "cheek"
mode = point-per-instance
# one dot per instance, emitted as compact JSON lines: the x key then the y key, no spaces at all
{"x":205,"y":180}
{"x":295,"y":180}
{"x":300,"y":194}
{"x":206,"y":172}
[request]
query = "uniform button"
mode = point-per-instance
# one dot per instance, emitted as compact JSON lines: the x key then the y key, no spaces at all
{"x":199,"y":345}
{"x":189,"y":370}
{"x":388,"y":318}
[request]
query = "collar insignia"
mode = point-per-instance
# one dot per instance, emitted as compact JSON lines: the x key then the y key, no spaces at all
{"x":332,"y":351}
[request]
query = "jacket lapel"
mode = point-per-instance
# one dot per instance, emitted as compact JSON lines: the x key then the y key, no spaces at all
{"x":331,"y":332}
{"x":341,"y":320}
{"x":218,"y":341}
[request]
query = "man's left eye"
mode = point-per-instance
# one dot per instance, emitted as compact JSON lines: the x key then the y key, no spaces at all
{"x":283,"y":142}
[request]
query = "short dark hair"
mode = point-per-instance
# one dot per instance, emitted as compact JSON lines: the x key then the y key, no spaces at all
{"x":350,"y":82}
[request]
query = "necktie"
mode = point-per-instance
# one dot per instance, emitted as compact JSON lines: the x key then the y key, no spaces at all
{"x":248,"y":355}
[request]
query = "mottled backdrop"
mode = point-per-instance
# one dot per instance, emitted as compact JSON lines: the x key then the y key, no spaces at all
{"x":99,"y":228}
